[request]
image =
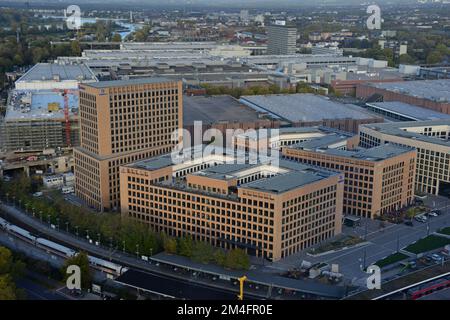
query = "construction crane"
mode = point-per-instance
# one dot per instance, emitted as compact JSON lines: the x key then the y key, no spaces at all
{"x":66,"y":117}
{"x":66,"y":93}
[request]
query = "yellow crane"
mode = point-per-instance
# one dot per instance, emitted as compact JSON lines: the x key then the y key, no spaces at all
{"x":241,"y":287}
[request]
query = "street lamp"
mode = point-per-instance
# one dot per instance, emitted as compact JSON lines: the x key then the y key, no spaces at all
{"x":123,"y":243}
{"x":67,"y":226}
{"x":40,"y":215}
{"x":87,"y":234}
{"x":76,"y":228}
{"x":98,"y":235}
{"x":57,"y":223}
{"x":137,"y":250}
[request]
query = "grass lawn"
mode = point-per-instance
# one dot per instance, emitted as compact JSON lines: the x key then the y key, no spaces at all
{"x":395,"y":257}
{"x":426,"y":244}
{"x":445,"y":231}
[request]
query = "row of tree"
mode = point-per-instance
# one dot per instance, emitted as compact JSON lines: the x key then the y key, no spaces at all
{"x":259,"y":90}
{"x":109,"y":229}
{"x":205,"y":253}
{"x":10,"y":270}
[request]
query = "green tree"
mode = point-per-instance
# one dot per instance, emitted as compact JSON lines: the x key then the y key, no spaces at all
{"x":81,"y":260}
{"x":75,"y":48}
{"x":116,"y":37}
{"x":237,"y":259}
{"x":202,"y":252}
{"x":434,"y":57}
{"x":170,"y":245}
{"x":185,"y":246}
{"x":219,"y":257}
{"x":406,"y":59}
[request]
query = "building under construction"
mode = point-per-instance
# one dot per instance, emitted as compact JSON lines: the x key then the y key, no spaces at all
{"x":42,"y":111}
{"x":37,"y":120}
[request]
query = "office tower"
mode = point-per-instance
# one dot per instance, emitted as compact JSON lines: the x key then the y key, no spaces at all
{"x":281,"y":39}
{"x":121,"y":122}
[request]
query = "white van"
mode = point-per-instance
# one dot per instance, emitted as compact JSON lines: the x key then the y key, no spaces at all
{"x":67,"y":190}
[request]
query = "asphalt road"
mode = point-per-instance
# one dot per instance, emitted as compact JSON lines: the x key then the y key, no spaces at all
{"x":35,"y":291}
{"x":381,"y":243}
{"x":191,"y":288}
{"x":175,"y":288}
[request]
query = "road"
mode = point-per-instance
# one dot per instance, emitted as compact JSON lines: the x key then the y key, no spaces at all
{"x":35,"y":291}
{"x":208,"y":288}
{"x":381,"y":243}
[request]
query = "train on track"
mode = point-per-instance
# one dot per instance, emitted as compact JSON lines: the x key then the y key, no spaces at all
{"x":108,"y":267}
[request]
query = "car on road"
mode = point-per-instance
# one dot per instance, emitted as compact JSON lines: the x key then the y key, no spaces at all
{"x":409,"y":223}
{"x":432,"y":214}
{"x":421,"y":218}
{"x":436,"y":258}
{"x":438,"y":212}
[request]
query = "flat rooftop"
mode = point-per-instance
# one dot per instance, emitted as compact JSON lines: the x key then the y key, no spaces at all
{"x":379,"y":153}
{"x":60,"y":72}
{"x":216,"y":109}
{"x":402,"y":130}
{"x":286,"y":175}
{"x":305,"y":107}
{"x":435,"y":90}
{"x":138,"y":81}
{"x":409,"y":111}
{"x":39,"y":105}
{"x":322,"y":142}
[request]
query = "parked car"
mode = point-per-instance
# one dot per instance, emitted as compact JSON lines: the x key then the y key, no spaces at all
{"x":436,"y":258}
{"x":432,"y":214}
{"x":438,"y":212}
{"x":409,"y":223}
{"x":421,"y":218}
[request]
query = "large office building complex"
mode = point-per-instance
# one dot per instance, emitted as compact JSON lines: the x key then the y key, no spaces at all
{"x":282,"y":39}
{"x":377,"y":180}
{"x":122,"y":122}
{"x":430,"y":138}
{"x":271,"y":210}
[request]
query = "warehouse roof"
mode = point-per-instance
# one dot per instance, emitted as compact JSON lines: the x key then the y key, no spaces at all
{"x":305,"y":107}
{"x":436,"y":90}
{"x":408,"y":111}
{"x":58,"y":72}
{"x":116,"y":83}
{"x":216,"y":109}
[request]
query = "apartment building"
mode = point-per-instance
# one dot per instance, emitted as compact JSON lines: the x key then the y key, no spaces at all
{"x":282,"y":39}
{"x":377,"y":180}
{"x":430,"y":138}
{"x":271,"y":211}
{"x":122,"y":122}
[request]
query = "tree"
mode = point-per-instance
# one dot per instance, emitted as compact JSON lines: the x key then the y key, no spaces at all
{"x":202,"y":252}
{"x":81,"y":260}
{"x":237,"y":259}
{"x":170,"y":245}
{"x":219,"y":257}
{"x":434,"y":57}
{"x":75,"y":48}
{"x":10,"y":269}
{"x":7,"y":288}
{"x":185,"y":246}
{"x":406,"y":59}
{"x":116,"y":37}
